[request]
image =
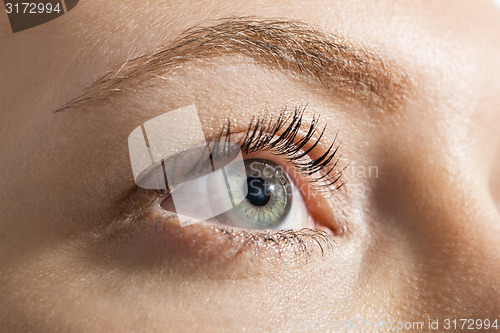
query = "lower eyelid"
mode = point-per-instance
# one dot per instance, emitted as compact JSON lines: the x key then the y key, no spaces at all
{"x":151,"y":238}
{"x":154,"y":240}
{"x":226,"y":243}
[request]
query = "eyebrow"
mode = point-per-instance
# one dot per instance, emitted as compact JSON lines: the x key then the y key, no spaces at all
{"x":290,"y":45}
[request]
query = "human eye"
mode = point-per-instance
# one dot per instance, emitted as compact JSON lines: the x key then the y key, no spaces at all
{"x":286,"y":169}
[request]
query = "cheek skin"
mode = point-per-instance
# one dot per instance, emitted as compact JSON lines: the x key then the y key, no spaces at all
{"x":439,"y":217}
{"x":103,"y":282}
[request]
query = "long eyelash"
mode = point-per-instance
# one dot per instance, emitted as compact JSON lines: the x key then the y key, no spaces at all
{"x":281,"y":136}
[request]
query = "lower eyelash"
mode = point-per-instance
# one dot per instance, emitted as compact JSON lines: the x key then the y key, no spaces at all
{"x":263,"y":135}
{"x":301,"y":242}
{"x":296,"y":240}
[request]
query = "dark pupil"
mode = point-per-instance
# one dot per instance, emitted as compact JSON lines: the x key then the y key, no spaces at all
{"x":258,"y":191}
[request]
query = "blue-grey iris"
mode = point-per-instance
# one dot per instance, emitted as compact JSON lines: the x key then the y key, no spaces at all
{"x":268,"y":196}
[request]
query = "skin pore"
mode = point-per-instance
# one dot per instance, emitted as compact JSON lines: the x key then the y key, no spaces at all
{"x":420,"y":235}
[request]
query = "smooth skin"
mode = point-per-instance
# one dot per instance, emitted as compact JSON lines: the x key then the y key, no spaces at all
{"x":422,"y":233}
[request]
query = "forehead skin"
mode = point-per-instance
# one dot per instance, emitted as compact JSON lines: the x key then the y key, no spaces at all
{"x":441,"y":147}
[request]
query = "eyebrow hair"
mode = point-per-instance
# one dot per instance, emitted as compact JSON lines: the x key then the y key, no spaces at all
{"x":290,"y":45}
